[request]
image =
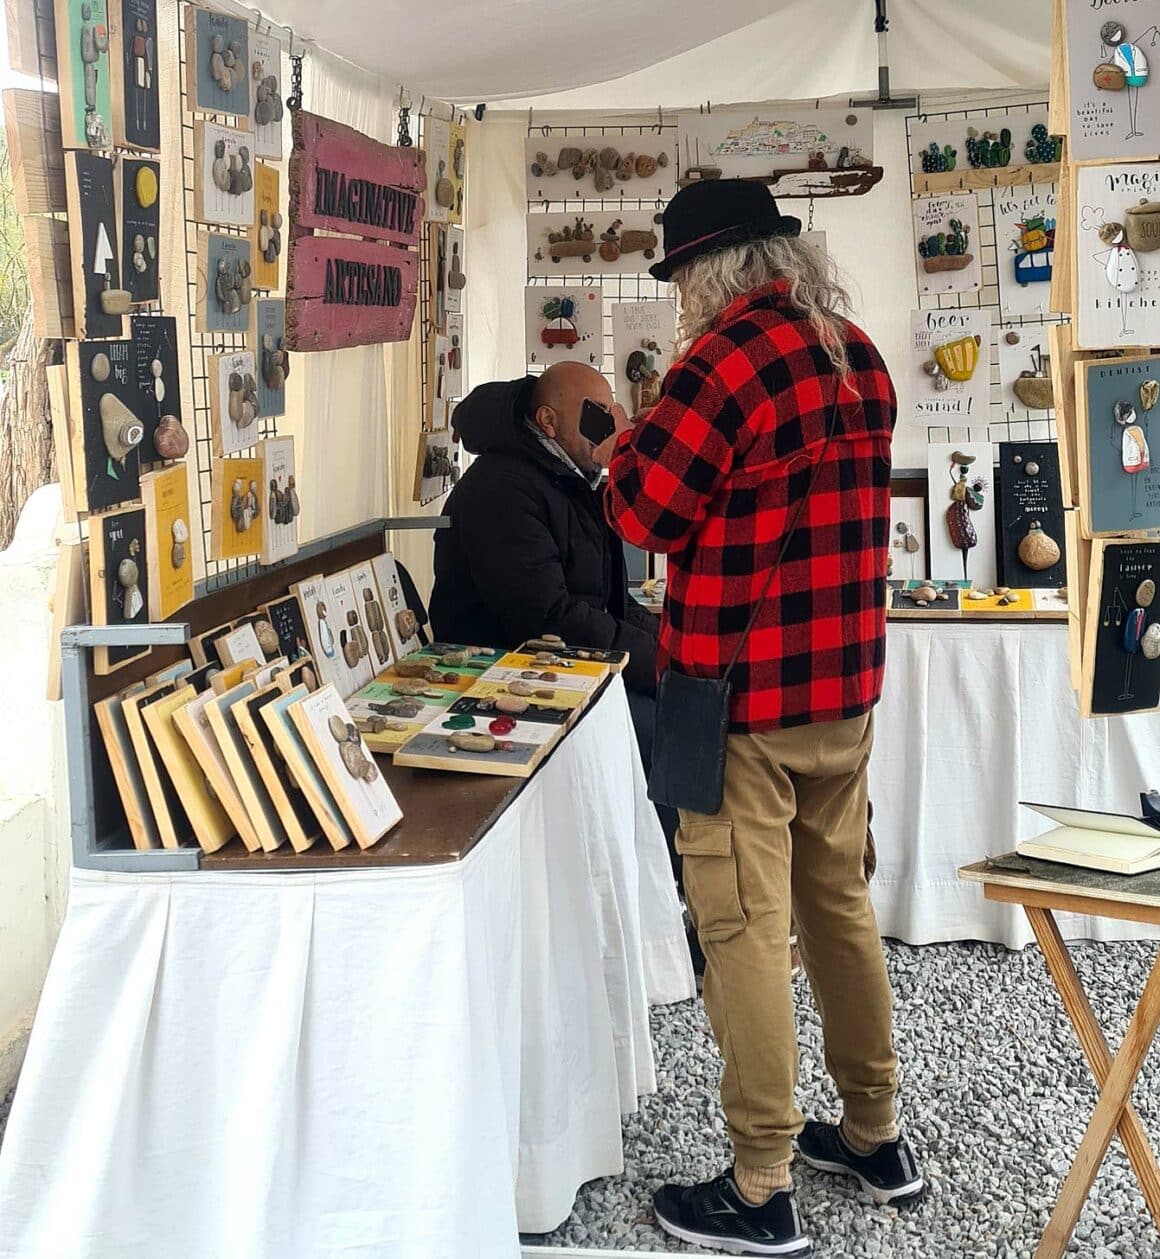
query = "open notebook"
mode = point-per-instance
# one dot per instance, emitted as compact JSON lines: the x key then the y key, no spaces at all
{"x":1114,"y":842}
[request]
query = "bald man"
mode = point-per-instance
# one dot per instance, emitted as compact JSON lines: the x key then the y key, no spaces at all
{"x":529,"y":551}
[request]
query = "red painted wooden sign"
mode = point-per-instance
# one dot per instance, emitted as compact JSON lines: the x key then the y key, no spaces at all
{"x":342,"y":292}
{"x":343,"y":181}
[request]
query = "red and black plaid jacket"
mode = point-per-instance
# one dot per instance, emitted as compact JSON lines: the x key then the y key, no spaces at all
{"x":712,"y":477}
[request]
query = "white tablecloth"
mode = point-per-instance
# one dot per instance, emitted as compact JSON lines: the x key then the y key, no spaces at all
{"x":405,"y":1063}
{"x":975,"y":718}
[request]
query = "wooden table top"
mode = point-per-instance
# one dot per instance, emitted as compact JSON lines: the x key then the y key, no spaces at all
{"x":444,"y":816}
{"x":1053,"y":885}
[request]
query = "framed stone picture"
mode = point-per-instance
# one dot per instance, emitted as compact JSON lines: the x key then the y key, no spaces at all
{"x":217,"y":63}
{"x":223,"y":174}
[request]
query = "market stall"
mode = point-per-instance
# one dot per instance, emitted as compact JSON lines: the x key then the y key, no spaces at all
{"x":401,"y":906}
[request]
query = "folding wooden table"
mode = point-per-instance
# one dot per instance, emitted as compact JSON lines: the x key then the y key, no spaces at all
{"x":1043,"y":887}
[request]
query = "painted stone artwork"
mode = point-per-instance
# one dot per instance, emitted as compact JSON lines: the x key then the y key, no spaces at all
{"x":946,"y":232}
{"x":269,"y":108}
{"x":962,"y":540}
{"x":639,"y":167}
{"x":223,"y":174}
{"x":601,"y":242}
{"x":217,"y":54}
{"x":1126,"y":633}
{"x":271,"y":355}
{"x":134,"y":60}
{"x":1118,"y":480}
{"x":225,"y":282}
{"x":104,"y":385}
{"x":140,"y":228}
{"x":154,"y":341}
{"x":564,"y":323}
{"x":84,"y":77}
{"x":99,"y":300}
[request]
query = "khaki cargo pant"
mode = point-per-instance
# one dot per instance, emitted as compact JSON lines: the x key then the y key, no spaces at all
{"x":789,"y":842}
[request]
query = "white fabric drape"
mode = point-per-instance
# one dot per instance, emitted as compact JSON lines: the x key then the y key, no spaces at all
{"x":411,"y":1062}
{"x":976,"y":718}
{"x":678,"y":52}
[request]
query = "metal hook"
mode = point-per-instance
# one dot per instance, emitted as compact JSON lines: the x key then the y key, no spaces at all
{"x":290,"y":46}
{"x":529,"y":120}
{"x":257,"y":20}
{"x":660,"y":121}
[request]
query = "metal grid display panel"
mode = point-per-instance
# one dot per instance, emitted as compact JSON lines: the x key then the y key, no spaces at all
{"x":46,"y":59}
{"x":617,"y":288}
{"x":202,"y":344}
{"x":1000,"y":427}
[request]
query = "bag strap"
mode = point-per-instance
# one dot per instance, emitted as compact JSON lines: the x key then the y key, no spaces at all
{"x":789,"y":535}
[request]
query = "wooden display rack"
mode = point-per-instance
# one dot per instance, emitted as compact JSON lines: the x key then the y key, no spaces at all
{"x":100,"y":833}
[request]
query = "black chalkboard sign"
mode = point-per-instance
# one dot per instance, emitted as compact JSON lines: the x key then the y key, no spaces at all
{"x":1030,"y":494}
{"x":1124,"y":681}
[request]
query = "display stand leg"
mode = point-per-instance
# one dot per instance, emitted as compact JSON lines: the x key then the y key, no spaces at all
{"x":1115,"y":1078}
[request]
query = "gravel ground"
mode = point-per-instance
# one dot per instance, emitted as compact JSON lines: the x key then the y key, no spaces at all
{"x":995,"y":1098}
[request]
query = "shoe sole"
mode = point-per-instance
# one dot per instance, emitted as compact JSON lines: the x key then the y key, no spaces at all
{"x":798,"y":1247}
{"x":912,"y":1192}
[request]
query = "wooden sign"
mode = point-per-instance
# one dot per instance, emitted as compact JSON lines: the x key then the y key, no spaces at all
{"x":237,"y":505}
{"x":125,"y":770}
{"x":46,"y":246}
{"x":295,"y":813}
{"x":98,"y":299}
{"x":302,"y":767}
{"x":217,"y":63}
{"x":108,"y":429}
{"x":133,"y":59}
{"x":343,"y":181}
{"x":30,"y":52}
{"x":342,"y":292}
{"x":266,"y":231}
{"x":154,"y":340}
{"x":119,"y":572}
{"x":271,"y":356}
{"x":165,"y":494}
{"x":140,"y":213}
{"x":83,"y":73}
{"x":223,"y":175}
{"x":1030,"y":516}
{"x":35,"y":152}
{"x":173,"y":825}
{"x":225,"y":283}
{"x":1119,"y":676}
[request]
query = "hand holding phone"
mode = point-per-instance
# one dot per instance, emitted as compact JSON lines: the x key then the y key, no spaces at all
{"x":596,"y":422}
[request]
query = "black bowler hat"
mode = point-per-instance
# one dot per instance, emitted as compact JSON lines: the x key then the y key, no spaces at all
{"x":714,"y":214}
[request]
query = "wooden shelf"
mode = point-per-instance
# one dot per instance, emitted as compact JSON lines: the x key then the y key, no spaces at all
{"x":971,"y":177}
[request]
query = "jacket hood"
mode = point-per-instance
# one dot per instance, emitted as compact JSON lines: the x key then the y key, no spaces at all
{"x":491,"y":417}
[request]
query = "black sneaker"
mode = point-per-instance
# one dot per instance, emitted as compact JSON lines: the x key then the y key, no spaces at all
{"x":714,"y":1214}
{"x":888,"y":1174}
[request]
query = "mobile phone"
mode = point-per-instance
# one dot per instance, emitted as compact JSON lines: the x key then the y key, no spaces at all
{"x":596,"y":422}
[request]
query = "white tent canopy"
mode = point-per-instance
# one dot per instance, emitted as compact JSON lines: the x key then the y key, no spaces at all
{"x":676,"y":52}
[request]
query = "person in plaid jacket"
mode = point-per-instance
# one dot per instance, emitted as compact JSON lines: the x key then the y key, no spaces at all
{"x":775,"y":422}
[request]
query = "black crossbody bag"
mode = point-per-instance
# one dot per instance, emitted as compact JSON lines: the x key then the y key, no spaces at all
{"x":691,"y":727}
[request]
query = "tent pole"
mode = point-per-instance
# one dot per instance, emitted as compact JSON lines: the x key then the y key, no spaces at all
{"x":884,"y":100}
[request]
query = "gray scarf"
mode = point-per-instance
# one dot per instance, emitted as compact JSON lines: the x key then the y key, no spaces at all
{"x":553,"y":447}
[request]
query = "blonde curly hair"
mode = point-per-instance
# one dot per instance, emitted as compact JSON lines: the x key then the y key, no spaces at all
{"x":711,"y":282}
